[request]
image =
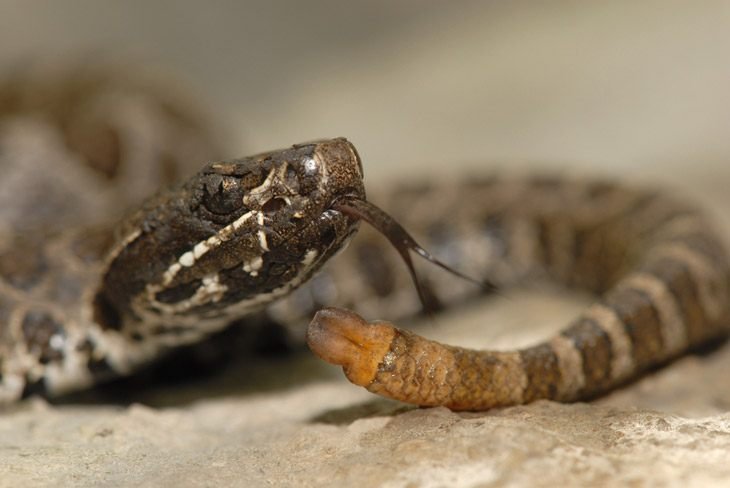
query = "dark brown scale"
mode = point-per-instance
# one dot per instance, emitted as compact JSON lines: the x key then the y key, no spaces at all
{"x":641,"y":322}
{"x":105,"y":314}
{"x":595,"y":349}
{"x":35,"y":387}
{"x":171,"y":331}
{"x":481,"y":380}
{"x":273,"y":205}
{"x":600,"y":258}
{"x":99,"y":367}
{"x":683,"y":288}
{"x":223,"y":195}
{"x":543,"y":372}
{"x":178,"y":293}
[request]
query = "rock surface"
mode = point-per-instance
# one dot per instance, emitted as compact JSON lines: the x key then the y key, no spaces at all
{"x":256,"y":424}
{"x":327,"y":433}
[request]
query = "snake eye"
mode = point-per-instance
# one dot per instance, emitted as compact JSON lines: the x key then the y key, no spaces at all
{"x":308,"y":176}
{"x":222,"y":195}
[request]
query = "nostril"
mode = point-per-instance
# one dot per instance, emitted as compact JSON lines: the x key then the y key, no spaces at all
{"x":273,"y":205}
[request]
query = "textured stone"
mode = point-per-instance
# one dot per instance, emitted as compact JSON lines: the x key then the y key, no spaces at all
{"x":671,"y":428}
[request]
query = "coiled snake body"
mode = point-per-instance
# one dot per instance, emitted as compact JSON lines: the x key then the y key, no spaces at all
{"x":85,"y":296}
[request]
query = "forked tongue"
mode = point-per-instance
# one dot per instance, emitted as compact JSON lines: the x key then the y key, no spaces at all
{"x":403,"y":243}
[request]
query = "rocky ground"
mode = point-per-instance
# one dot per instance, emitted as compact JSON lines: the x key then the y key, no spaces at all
{"x":293,"y":421}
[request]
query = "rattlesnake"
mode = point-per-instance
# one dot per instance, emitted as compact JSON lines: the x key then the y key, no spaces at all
{"x":88,"y":293}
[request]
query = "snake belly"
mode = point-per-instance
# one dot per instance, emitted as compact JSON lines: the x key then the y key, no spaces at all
{"x":90,"y":289}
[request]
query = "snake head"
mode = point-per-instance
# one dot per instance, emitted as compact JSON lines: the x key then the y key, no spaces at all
{"x":237,"y":235}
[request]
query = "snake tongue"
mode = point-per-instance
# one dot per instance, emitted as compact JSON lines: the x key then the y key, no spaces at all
{"x":403,"y":243}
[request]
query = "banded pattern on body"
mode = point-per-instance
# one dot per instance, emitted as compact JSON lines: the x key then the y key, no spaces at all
{"x":660,"y":274}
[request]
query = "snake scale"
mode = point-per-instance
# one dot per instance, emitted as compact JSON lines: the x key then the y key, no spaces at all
{"x":97,"y":278}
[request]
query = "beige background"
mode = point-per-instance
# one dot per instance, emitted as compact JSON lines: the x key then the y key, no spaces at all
{"x":638,"y":90}
{"x":633,"y":88}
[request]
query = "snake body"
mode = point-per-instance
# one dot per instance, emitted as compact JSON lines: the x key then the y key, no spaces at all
{"x":659,"y":273}
{"x":90,"y":289}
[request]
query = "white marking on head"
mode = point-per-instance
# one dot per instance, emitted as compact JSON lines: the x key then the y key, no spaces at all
{"x":309,"y":257}
{"x":211,"y":290}
{"x":211,"y":287}
{"x":261,"y":233}
{"x":257,"y":195}
{"x":200,"y":249}
{"x":170,"y":273}
{"x":324,"y":176}
{"x":225,"y":232}
{"x":187,"y":259}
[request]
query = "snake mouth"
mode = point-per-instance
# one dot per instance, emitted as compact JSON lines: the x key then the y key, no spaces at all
{"x":363,"y":210}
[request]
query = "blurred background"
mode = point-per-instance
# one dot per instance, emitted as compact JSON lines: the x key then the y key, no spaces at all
{"x":638,"y":90}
